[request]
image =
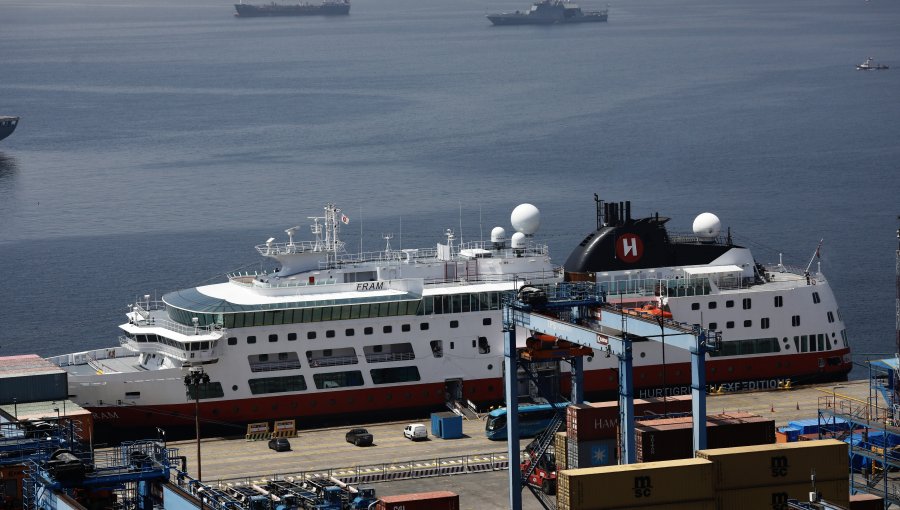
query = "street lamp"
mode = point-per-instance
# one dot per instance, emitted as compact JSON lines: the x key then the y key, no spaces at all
{"x":193,"y":381}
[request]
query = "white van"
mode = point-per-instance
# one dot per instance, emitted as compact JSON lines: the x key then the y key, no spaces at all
{"x":415,"y":432}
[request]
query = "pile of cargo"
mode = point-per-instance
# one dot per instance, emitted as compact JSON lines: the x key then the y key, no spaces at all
{"x":747,"y":477}
{"x":672,"y":438}
{"x":592,"y":429}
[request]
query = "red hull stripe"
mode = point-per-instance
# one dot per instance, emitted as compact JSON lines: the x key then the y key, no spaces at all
{"x":307,"y":407}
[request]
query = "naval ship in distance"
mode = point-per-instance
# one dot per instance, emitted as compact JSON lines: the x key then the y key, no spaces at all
{"x":326,"y":8}
{"x":549,"y":12}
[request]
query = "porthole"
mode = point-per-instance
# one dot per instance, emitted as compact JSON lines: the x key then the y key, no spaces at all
{"x":490,"y":367}
{"x":643,"y":354}
{"x":730,"y":369}
{"x":215,"y":411}
{"x":234,"y":388}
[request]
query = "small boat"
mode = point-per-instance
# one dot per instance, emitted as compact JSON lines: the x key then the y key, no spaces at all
{"x":7,"y":126}
{"x":869,"y":66}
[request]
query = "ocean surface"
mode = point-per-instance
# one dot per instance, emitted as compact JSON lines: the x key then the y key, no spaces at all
{"x":160,"y":141}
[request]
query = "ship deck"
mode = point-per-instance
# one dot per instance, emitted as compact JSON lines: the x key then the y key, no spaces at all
{"x":123,"y":364}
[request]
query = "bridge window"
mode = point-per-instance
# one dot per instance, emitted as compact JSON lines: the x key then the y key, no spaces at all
{"x":816,"y":298}
{"x":779,"y":301}
{"x":232,"y":340}
{"x":764,"y":323}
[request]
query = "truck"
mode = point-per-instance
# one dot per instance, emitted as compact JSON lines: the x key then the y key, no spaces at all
{"x":543,"y":476}
{"x":359,"y":437}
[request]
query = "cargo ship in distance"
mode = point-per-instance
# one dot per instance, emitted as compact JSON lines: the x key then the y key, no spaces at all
{"x":326,"y":334}
{"x":549,"y":12}
{"x":326,"y":8}
{"x":7,"y":125}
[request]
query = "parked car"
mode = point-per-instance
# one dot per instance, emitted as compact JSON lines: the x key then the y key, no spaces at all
{"x":415,"y":432}
{"x":359,"y":437}
{"x":279,"y":444}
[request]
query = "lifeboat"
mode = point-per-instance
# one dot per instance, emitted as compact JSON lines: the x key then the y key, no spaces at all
{"x":649,"y":310}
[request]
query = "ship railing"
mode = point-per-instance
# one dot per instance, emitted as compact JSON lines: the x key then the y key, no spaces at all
{"x":814,"y":276}
{"x":372,"y":473}
{"x":390,"y":356}
{"x":271,"y":366}
{"x":290,"y":248}
{"x":170,"y":325}
{"x":143,"y":308}
{"x":333,"y":361}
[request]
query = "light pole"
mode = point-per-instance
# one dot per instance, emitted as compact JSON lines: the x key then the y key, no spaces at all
{"x":194,"y":380}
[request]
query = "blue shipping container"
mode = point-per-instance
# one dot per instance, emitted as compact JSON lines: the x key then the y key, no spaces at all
{"x":809,"y":426}
{"x":792,"y":433}
{"x":446,"y":425}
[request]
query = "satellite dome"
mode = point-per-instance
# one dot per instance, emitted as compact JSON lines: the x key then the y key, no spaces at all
{"x":526,"y":219}
{"x":498,"y":235}
{"x":707,"y":225}
{"x":518,"y":240}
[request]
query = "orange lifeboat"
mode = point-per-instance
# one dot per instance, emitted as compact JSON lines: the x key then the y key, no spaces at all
{"x":649,"y":309}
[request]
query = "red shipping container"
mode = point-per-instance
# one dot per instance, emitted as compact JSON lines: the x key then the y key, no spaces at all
{"x":673,"y":438}
{"x":588,"y":422}
{"x":438,"y":500}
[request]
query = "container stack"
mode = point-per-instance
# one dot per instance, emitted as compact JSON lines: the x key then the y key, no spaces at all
{"x":592,"y":429}
{"x":559,"y":450}
{"x":672,"y":438}
{"x":674,"y":485}
{"x":753,"y":477}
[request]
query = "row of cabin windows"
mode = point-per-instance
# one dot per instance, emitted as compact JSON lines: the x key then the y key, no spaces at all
{"x":347,"y":355}
{"x":331,"y":380}
{"x":368,"y":330}
{"x":428,"y":305}
{"x":812,"y":343}
{"x":751,"y":346}
{"x":747,"y":303}
{"x":764,"y":322}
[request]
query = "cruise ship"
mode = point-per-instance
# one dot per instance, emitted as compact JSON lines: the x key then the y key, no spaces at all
{"x":327,"y":335}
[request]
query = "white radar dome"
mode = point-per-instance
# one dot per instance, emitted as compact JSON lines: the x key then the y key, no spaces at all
{"x":526,"y":219}
{"x":498,"y":235}
{"x":707,"y":225}
{"x":518,"y":240}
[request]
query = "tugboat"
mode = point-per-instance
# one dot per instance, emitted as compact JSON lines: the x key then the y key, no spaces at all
{"x":7,"y":126}
{"x":869,"y":66}
{"x":549,"y":12}
{"x":326,"y":8}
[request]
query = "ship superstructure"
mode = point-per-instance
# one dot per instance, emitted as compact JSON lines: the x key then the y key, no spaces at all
{"x":327,"y":333}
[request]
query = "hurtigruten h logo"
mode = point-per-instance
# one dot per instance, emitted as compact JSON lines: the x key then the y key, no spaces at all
{"x":643,"y":487}
{"x":629,"y":248}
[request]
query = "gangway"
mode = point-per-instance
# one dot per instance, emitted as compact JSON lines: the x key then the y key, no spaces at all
{"x":577,"y":313}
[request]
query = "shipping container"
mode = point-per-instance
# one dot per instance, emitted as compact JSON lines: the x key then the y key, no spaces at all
{"x":835,"y":491}
{"x":30,"y":378}
{"x":438,"y":500}
{"x":559,"y":450}
{"x":792,"y":433}
{"x":635,"y":485}
{"x":673,"y":438}
{"x":446,"y":425}
{"x":780,"y":463}
{"x":808,"y":426}
{"x":600,"y":452}
{"x":600,"y":420}
{"x":864,"y":501}
{"x":709,"y":504}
